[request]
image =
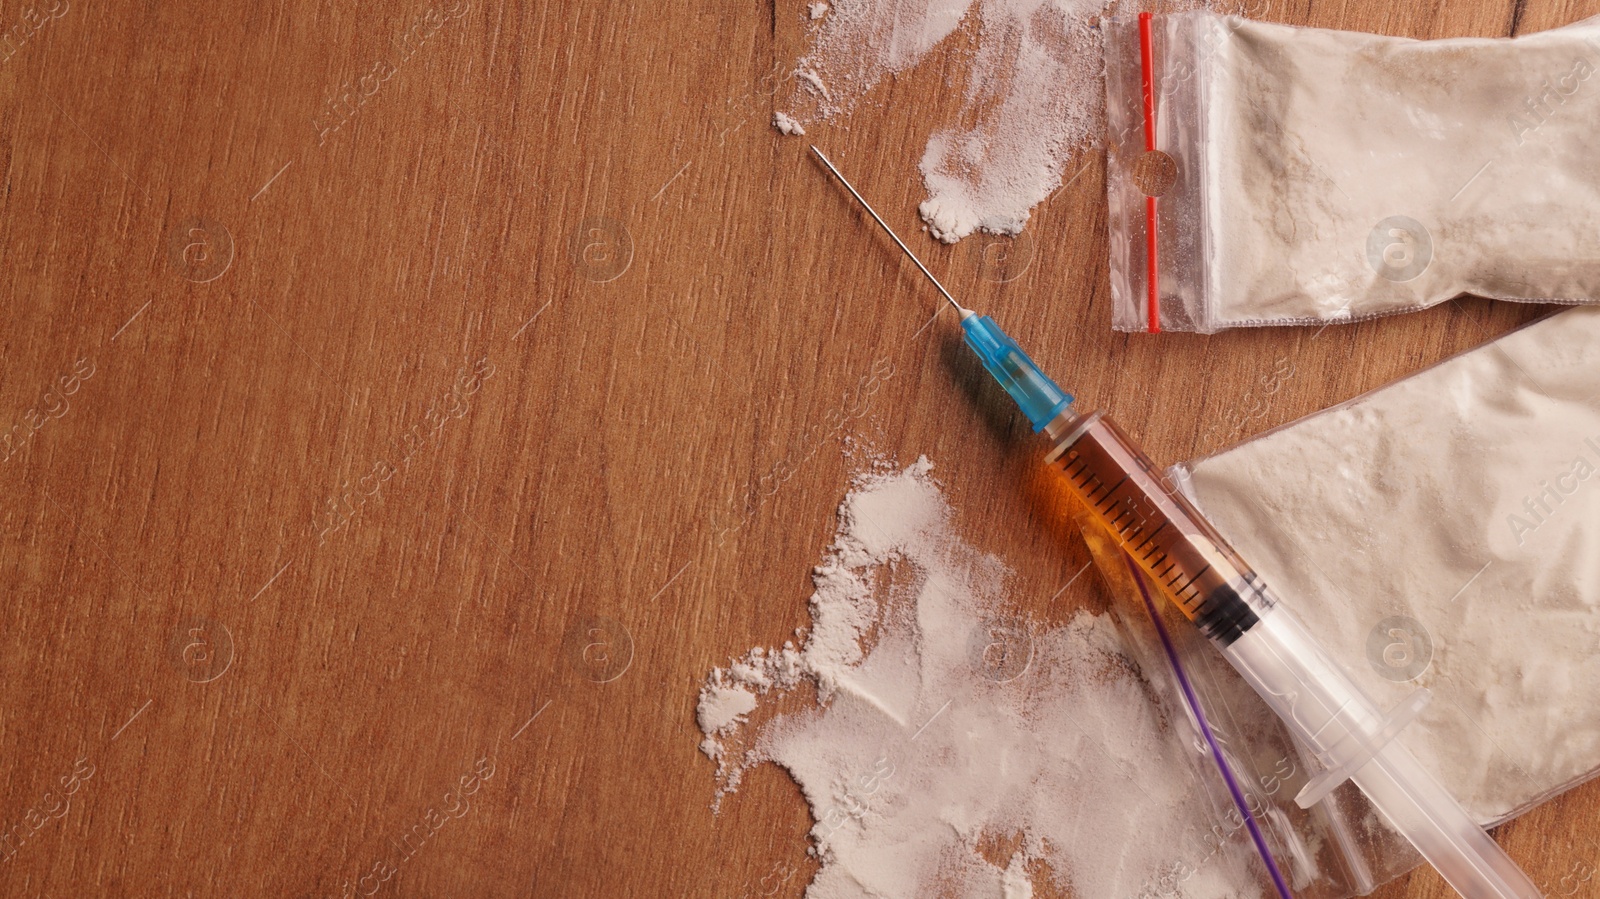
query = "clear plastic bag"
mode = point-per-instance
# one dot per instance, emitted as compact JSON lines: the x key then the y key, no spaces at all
{"x":1305,"y":176}
{"x":1444,"y":532}
{"x":1338,"y":848}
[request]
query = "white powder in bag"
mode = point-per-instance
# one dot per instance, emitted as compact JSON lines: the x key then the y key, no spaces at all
{"x":1349,"y":175}
{"x":1444,"y":532}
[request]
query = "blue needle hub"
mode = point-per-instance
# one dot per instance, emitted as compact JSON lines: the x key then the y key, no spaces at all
{"x":1034,"y":393}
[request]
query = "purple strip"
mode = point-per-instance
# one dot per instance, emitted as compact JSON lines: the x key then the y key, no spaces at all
{"x":1205,"y":729}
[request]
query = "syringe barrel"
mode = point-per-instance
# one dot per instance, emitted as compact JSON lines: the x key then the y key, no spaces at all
{"x":1195,"y":568}
{"x":1289,"y":668}
{"x":1164,"y":534}
{"x":1119,"y":488}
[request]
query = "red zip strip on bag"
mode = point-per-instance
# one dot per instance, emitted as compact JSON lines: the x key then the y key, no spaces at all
{"x":1147,"y":77}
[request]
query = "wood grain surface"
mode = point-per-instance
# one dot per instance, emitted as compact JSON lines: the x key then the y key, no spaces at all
{"x":415,"y":401}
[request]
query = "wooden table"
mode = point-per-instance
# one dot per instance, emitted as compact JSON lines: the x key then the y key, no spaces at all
{"x":452,"y":386}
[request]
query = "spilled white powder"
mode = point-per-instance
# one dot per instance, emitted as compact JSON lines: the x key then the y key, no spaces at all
{"x":1015,"y":883}
{"x":818,"y":10}
{"x":1032,"y":96}
{"x":1465,"y":498}
{"x":722,"y":707}
{"x":786,"y":125}
{"x":928,"y":773}
{"x":861,"y":42}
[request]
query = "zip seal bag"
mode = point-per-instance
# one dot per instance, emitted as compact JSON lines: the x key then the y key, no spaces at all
{"x":1443,"y":532}
{"x":1262,"y":174}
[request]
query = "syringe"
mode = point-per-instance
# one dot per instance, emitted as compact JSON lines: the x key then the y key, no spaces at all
{"x":1119,"y":489}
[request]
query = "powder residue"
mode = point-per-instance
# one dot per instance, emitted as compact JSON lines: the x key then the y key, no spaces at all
{"x":926,"y":773}
{"x":785,"y":124}
{"x":1032,"y":96}
{"x":860,"y":42}
{"x":722,"y":707}
{"x":1015,"y":881}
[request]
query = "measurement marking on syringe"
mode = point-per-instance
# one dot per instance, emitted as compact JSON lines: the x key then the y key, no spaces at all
{"x":1115,"y":487}
{"x":1189,"y":586}
{"x":1130,"y":531}
{"x":1151,"y":536}
{"x":1108,"y":495}
{"x":1094,"y":496}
